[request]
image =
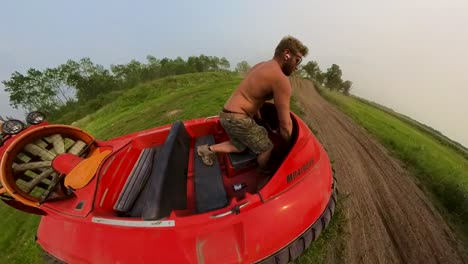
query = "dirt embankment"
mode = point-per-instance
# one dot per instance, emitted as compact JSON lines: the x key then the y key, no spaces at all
{"x":389,"y":219}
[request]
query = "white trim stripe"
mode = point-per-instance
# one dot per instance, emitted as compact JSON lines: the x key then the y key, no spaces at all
{"x":107,"y":221}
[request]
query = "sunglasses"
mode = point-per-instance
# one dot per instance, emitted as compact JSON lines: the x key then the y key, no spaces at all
{"x":298,"y":58}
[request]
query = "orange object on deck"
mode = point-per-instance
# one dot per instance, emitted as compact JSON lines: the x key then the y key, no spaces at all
{"x":84,"y":172}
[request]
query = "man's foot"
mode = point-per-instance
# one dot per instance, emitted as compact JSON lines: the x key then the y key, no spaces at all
{"x":206,"y":154}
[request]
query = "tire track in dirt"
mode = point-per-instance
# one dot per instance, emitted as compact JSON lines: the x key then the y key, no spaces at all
{"x":388,"y":218}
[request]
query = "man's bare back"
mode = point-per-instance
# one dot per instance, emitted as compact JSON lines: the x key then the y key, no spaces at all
{"x":264,"y":81}
{"x":256,"y":88}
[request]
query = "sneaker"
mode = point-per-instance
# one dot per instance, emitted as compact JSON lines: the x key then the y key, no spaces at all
{"x":206,"y":154}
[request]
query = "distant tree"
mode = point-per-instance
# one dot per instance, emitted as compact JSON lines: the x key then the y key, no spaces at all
{"x":180,"y":66}
{"x":311,"y":69}
{"x":213,"y":63}
{"x":90,"y":79}
{"x":203,"y":63}
{"x":57,"y":79}
{"x":192,"y":63}
{"x":224,"y":64}
{"x":153,"y":68}
{"x":99,"y":83}
{"x":243,"y":67}
{"x":320,"y":77}
{"x":167,"y":67}
{"x":346,"y":87}
{"x":333,"y":77}
{"x":129,"y":74}
{"x":36,"y":90}
{"x":152,"y":60}
{"x":300,"y":73}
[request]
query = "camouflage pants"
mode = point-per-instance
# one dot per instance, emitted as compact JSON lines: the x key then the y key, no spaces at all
{"x":245,"y":133}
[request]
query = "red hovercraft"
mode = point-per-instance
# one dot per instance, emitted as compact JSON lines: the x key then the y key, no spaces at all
{"x":147,"y":198}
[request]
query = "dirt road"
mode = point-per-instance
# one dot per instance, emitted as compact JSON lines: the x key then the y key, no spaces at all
{"x":389,"y":219}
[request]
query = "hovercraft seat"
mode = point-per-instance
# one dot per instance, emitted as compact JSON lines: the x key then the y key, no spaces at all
{"x":158,"y":183}
{"x":242,"y":160}
{"x":210,"y":193}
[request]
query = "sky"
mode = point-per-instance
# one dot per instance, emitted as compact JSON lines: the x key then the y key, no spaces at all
{"x":411,"y":56}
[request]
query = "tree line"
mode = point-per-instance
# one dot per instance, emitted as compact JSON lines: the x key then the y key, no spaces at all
{"x":331,"y":79}
{"x":83,"y":80}
{"x":76,"y":83}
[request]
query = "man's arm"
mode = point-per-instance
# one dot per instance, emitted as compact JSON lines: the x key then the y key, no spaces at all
{"x":282,"y":96}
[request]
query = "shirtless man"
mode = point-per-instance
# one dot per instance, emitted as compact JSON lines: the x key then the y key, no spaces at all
{"x":264,"y":81}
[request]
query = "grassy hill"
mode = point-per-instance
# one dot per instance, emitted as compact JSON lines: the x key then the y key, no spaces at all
{"x":160,"y":102}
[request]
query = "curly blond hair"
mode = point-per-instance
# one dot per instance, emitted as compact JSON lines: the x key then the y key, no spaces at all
{"x":293,"y":44}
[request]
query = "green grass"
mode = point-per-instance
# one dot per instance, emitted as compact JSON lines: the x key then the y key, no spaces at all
{"x":148,"y":105}
{"x":17,"y":230}
{"x":440,"y":169}
{"x":329,"y":239}
{"x":424,"y":128}
{"x":145,"y":106}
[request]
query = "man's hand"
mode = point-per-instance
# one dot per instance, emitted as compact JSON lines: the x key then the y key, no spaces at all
{"x":286,"y":135}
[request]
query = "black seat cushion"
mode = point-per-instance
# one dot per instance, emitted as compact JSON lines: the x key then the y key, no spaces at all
{"x":166,"y":189}
{"x":210,"y":193}
{"x":137,"y":179}
{"x":242,"y":160}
